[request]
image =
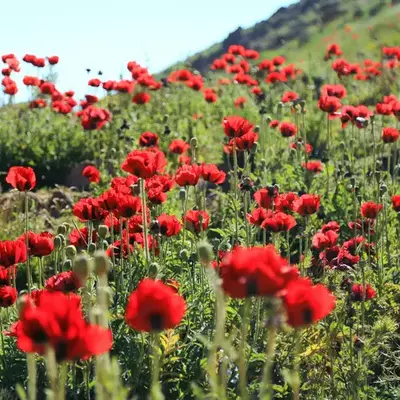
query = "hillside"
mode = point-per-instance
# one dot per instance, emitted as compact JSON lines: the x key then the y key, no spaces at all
{"x":308,"y":25}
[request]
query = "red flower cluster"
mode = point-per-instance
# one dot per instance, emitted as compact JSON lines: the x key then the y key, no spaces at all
{"x":92,"y":173}
{"x":56,"y":320}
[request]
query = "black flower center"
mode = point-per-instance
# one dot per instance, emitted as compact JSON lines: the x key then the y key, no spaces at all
{"x":156,"y":322}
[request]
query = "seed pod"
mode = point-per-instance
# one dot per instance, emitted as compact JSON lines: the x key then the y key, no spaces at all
{"x":103,"y":231}
{"x":70,"y":252}
{"x":83,"y":267}
{"x":205,"y":250}
{"x":101,"y":263}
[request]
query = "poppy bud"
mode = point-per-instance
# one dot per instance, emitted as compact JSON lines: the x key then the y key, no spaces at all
{"x":58,"y":242}
{"x":182,"y":194}
{"x":67,"y":266}
{"x":165,"y":118}
{"x":70,"y":252}
{"x":154,"y":227}
{"x":153,"y":269}
{"x":83,"y":267}
{"x":246,"y":184}
{"x":184,"y":254}
{"x":91,"y":248}
{"x":342,"y":145}
{"x":254,"y":148}
{"x":103,"y":231}
{"x":101,"y":263}
{"x":193,"y":143}
{"x":268,"y":119}
{"x":263,"y":110}
{"x":302,"y":103}
{"x":135,"y":189}
{"x":256,"y":129}
{"x":167,"y":131}
{"x":383,"y":188}
{"x":206,"y":254}
{"x":62,"y":230}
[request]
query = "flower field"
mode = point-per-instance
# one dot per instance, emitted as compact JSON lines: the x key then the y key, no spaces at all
{"x":232,"y":236}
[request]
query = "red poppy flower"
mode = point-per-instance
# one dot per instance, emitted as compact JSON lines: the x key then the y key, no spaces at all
{"x":141,"y":98}
{"x":278,"y":222}
{"x":39,"y":62}
{"x":169,"y":225}
{"x":370,"y":209}
{"x":5,"y":274}
{"x":40,"y":244}
{"x":288,"y":97}
{"x":210,"y":96}
{"x":113,"y":223}
{"x":93,"y":117}
{"x":184,"y":160}
{"x":108,"y":200}
{"x":218,"y":64}
{"x":384,"y":109}
{"x":396,"y":202}
{"x":245,"y":142}
{"x":323,"y":240}
{"x":57,"y":320}
{"x":240,"y":102}
{"x":265,"y":197}
{"x":274,"y":123}
{"x":265,"y":65}
{"x":21,"y":178}
{"x":338,"y":91}
{"x":329,"y":104}
{"x":255,"y":271}
{"x":145,"y":163}
{"x":257,"y":91}
{"x":284,"y":202}
{"x":188,"y":175}
{"x":12,"y":252}
{"x":53,"y":60}
{"x":211,"y":173}
{"x":313,"y":166}
{"x":28,"y":58}
{"x":119,"y":248}
{"x":236,"y":126}
{"x":5,"y":57}
{"x":65,"y":282}
{"x":354,"y":243}
{"x":80,"y":238}
{"x":287,"y":129}
{"x":306,"y":204}
{"x":109,"y":85}
{"x":8,"y":296}
{"x":31,"y":81}
{"x":47,"y":88}
{"x":333,"y":50}
{"x":276,"y":76}
{"x":278,"y":60}
{"x":94,"y":82}
{"x":123,"y":185}
{"x":37,"y":103}
{"x":126,"y":86}
{"x":196,"y":221}
{"x":251,"y":54}
{"x":390,"y":135}
{"x":6,"y":72}
{"x":154,"y":306}
{"x":258,"y":216}
{"x":180,"y":75}
{"x":92,"y":173}
{"x":306,"y":304}
{"x":128,"y":205}
{"x":358,"y":293}
{"x":178,"y":146}
{"x":196,"y":83}
{"x":11,"y":89}
{"x":157,"y":186}
{"x":298,"y":145}
{"x":148,"y":139}
{"x":330,"y":226}
{"x":88,"y":210}
{"x":237,"y":49}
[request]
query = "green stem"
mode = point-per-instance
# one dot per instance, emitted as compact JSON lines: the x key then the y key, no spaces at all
{"x":242,"y":350}
{"x":266,"y":386}
{"x":31,"y":364}
{"x":144,"y":214}
{"x":296,"y":369}
{"x":28,"y":265}
{"x":156,"y":392}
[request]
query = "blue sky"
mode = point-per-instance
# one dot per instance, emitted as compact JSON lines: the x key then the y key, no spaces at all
{"x":106,"y":34}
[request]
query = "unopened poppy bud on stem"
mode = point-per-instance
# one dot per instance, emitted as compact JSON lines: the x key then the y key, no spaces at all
{"x":268,"y":119}
{"x":62,"y":230}
{"x":165,"y":119}
{"x":83,"y":267}
{"x":67,"y":266}
{"x":256,"y":129}
{"x":206,"y":253}
{"x":135,"y":189}
{"x":193,"y":143}
{"x":184,"y":254}
{"x":92,"y":248}
{"x":70,"y":252}
{"x":103,"y":231}
{"x":182,"y":194}
{"x":101,"y":263}
{"x":58,"y":242}
{"x":153,"y":270}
